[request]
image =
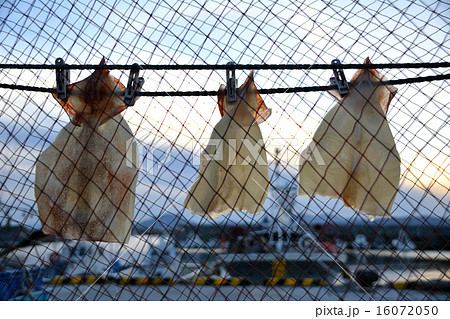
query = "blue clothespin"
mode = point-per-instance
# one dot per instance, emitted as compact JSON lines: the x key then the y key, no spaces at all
{"x":231,"y":84}
{"x":339,"y":78}
{"x":62,"y":79}
{"x":134,"y":85}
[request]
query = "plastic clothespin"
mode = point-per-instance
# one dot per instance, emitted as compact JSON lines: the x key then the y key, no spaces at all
{"x":339,"y":78}
{"x":231,"y":83}
{"x":134,"y":85}
{"x":62,"y":79}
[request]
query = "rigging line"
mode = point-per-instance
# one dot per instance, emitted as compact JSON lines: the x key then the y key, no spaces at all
{"x":321,"y":247}
{"x":261,"y":91}
{"x":426,"y":65}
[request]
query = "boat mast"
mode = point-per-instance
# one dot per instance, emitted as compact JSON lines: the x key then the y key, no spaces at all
{"x":282,"y":193}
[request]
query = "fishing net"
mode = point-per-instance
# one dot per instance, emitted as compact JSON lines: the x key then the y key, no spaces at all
{"x":298,"y":247}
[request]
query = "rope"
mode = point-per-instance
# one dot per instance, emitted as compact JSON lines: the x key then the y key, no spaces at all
{"x":261,"y":91}
{"x":27,"y":88}
{"x":431,"y":65}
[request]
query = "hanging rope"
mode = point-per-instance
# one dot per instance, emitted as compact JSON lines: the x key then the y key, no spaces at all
{"x":262,"y":91}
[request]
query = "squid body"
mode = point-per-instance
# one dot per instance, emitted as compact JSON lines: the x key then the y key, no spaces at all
{"x":353,"y":154}
{"x":86,"y":179}
{"x":233,"y":174}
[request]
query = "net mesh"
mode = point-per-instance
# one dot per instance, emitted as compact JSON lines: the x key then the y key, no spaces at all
{"x":297,"y":248}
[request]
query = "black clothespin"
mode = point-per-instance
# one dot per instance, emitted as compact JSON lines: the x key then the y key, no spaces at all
{"x":62,"y":79}
{"x":231,"y":84}
{"x":339,"y":78}
{"x":134,"y":85}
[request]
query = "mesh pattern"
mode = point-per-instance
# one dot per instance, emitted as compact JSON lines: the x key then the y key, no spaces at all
{"x":297,"y":248}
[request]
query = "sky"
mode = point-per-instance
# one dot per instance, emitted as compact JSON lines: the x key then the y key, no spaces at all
{"x":217,"y":32}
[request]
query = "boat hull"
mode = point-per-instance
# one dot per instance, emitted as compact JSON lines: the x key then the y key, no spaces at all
{"x":258,"y":268}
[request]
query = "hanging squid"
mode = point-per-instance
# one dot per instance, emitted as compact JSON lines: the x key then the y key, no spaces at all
{"x":353,"y":154}
{"x":85,"y":182}
{"x":233,"y":173}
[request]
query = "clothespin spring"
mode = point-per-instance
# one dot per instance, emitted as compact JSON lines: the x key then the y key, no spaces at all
{"x":339,"y":78}
{"x":231,"y":84}
{"x":62,"y":79}
{"x":134,"y":85}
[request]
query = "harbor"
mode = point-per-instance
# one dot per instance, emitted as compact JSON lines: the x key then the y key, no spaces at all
{"x":153,"y":267}
{"x":237,"y":293}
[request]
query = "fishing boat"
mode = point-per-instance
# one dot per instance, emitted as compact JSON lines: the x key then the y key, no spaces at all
{"x":283,"y":254}
{"x":281,"y":247}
